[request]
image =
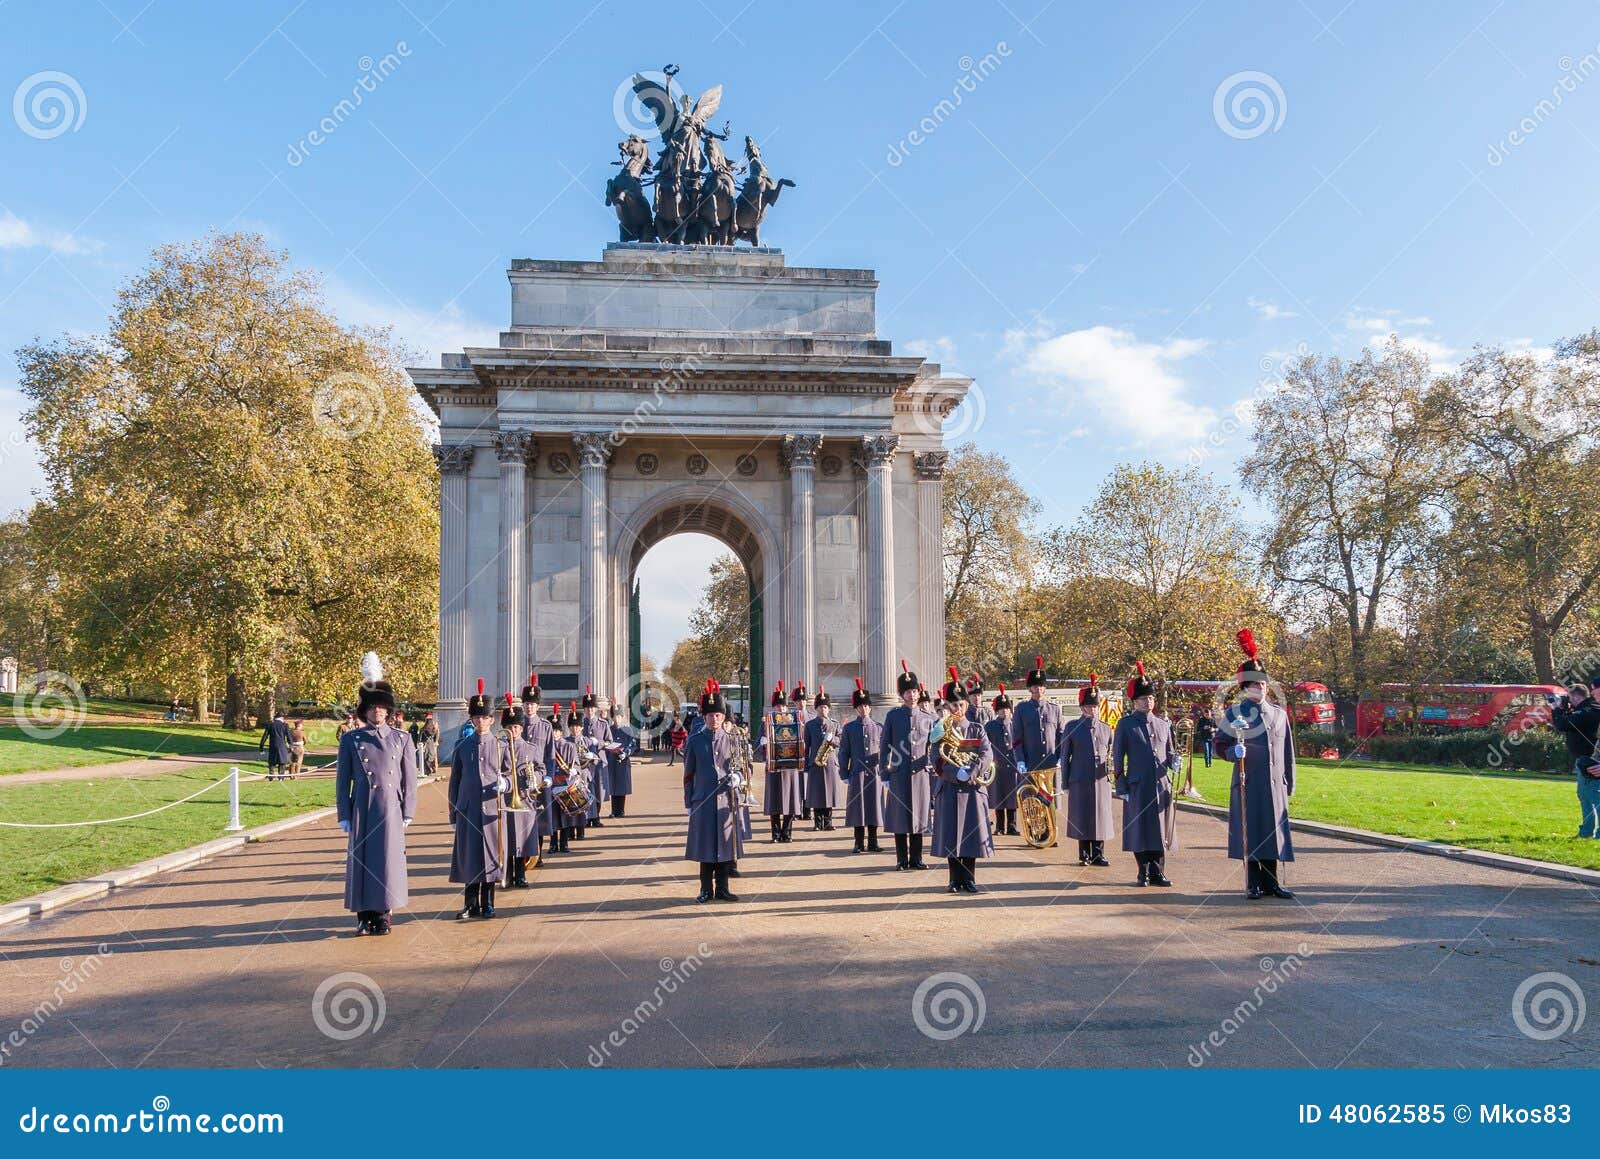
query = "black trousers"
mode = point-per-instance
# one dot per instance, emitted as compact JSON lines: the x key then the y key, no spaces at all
{"x":963,"y":870}
{"x":714,"y":875}
{"x":1089,"y":850}
{"x":1155,"y":862}
{"x":1261,"y":873}
{"x":619,"y":806}
{"x":907,"y":848}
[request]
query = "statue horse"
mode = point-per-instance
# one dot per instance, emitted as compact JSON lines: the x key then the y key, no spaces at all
{"x":635,"y":222}
{"x":675,"y":204}
{"x":716,"y":208}
{"x":752,"y":204}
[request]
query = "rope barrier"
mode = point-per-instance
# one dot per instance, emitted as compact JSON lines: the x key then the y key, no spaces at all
{"x":233,"y":775}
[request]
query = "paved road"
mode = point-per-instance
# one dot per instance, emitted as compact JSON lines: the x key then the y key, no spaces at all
{"x":148,"y":766}
{"x":1388,"y":959}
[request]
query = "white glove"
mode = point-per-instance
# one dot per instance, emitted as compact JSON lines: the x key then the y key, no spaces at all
{"x":548,"y":783}
{"x":406,"y":823}
{"x":503,"y":785}
{"x":345,"y":825}
{"x":1238,"y":752}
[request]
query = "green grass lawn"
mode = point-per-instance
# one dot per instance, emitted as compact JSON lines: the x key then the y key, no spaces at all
{"x":34,"y":860}
{"x":1522,"y":814}
{"x":96,"y":742}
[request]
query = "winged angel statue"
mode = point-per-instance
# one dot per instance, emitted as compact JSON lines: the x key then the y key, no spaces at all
{"x":698,"y":199}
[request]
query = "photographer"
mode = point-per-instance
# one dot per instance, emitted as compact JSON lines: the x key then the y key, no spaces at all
{"x":1577,"y":717}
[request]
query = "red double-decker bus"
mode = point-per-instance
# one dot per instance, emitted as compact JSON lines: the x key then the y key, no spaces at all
{"x":1444,"y":707}
{"x":1311,"y":703}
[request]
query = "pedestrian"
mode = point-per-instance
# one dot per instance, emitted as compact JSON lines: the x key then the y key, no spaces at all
{"x":903,"y":758}
{"x":1577,"y":717}
{"x":375,"y":796}
{"x":474,"y":804}
{"x":1008,"y":777}
{"x":297,"y":748}
{"x":710,"y":794}
{"x":347,"y":723}
{"x":1205,"y":727}
{"x":677,"y":737}
{"x":860,"y":748}
{"x":962,"y":759}
{"x":1259,"y":738}
{"x":430,"y":745}
{"x":1086,"y":777}
{"x":275,"y":742}
{"x":1144,"y":760}
{"x":415,"y":732}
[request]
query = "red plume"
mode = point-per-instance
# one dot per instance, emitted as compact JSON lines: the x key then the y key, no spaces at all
{"x":480,"y":686}
{"x":1247,"y":641}
{"x":859,"y":687}
{"x":1139,"y":664}
{"x":904,"y":667}
{"x":587,"y":690}
{"x":508,"y":700}
{"x":1094,"y":681}
{"x":954,"y":675}
{"x":780,"y":686}
{"x":1038,"y":662}
{"x":1002,"y":688}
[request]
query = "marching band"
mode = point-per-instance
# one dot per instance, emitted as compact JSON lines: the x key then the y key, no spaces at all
{"x":956,"y":770}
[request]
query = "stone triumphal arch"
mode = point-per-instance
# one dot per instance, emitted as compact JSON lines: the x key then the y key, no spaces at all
{"x":688,"y":388}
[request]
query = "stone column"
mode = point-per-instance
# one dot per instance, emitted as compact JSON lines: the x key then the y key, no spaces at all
{"x":594,"y":592}
{"x":513,"y":449}
{"x":879,"y":662}
{"x":929,"y":468}
{"x":799,"y":454}
{"x":454,"y":462}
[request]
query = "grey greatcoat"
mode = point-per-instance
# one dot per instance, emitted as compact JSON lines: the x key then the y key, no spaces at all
{"x":785,"y":789}
{"x":979,"y":713}
{"x":598,"y":729}
{"x":1143,"y":752}
{"x":714,"y":835}
{"x":903,"y":757}
{"x":1086,"y":777}
{"x":275,"y":739}
{"x":562,"y":749}
{"x":620,"y":763}
{"x":375,"y":790}
{"x":521,"y":759}
{"x":1007,"y":778}
{"x":539,"y":733}
{"x":822,"y":781}
{"x":859,"y":747}
{"x":961,"y":819}
{"x":1268,"y":780}
{"x":474,"y":796}
{"x":1036,"y":734}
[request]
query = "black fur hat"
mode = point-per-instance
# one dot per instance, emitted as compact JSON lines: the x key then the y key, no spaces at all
{"x":374,"y":690}
{"x":860,"y":696}
{"x":479,"y":705}
{"x":907,"y":680}
{"x":530,"y":690}
{"x":712,"y":700}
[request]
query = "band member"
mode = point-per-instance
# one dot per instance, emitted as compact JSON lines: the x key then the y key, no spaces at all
{"x":521,"y":765}
{"x":1007,"y":777}
{"x":977,"y":711}
{"x":539,"y":733}
{"x":1257,"y":736}
{"x":597,"y":727}
{"x":903,"y":757}
{"x":924,"y":701}
{"x":711,"y":792}
{"x":859,"y":747}
{"x":375,"y":790}
{"x":1036,"y":730}
{"x":620,"y":760}
{"x":797,"y":702}
{"x":785,"y":797}
{"x":1086,"y":777}
{"x":961,"y":832}
{"x":1145,"y":760}
{"x":822,"y":780}
{"x":565,"y":766}
{"x":474,"y":796}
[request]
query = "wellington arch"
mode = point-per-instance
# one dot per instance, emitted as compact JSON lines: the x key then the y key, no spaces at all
{"x":672,"y":388}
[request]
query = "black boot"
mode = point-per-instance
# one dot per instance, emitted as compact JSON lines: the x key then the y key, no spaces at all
{"x":777,"y":829}
{"x":722,"y":892}
{"x":1158,"y":867}
{"x":1270,"y":882}
{"x":861,"y":839}
{"x":566,"y":840}
{"x":1098,"y":860}
{"x":486,"y":910}
{"x":788,"y":829}
{"x":707,"y":873}
{"x":1085,"y":848}
{"x":1252,"y":879}
{"x":622,"y":805}
{"x":578,"y":833}
{"x":471,"y":906}
{"x":872,"y":840}
{"x":1011,"y":824}
{"x":916,"y":852}
{"x":902,"y":859}
{"x":954,"y":885}
{"x":1144,"y":869}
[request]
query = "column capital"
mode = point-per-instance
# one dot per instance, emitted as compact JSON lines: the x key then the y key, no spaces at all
{"x":799,"y":450}
{"x":453,"y":458}
{"x":515,"y":446}
{"x":878,"y":450}
{"x":594,"y":447}
{"x":930,"y":465}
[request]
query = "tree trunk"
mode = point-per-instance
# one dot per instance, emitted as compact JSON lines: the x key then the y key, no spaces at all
{"x":202,"y":703}
{"x":233,"y":706}
{"x":1541,"y":641}
{"x":269,"y":702}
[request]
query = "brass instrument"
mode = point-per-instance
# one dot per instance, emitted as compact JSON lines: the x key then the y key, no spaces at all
{"x":1183,"y":743}
{"x":825,"y":750}
{"x":965,"y":757}
{"x":740,"y":784}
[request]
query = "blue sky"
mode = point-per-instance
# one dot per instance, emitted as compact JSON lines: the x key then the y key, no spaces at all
{"x":1116,"y":252}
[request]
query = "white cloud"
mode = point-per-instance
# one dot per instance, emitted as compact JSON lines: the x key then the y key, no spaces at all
{"x":16,"y":234}
{"x":427,"y":331}
{"x":672,"y":576}
{"x":1374,"y":327}
{"x":1134,"y":385}
{"x":1271,"y":311}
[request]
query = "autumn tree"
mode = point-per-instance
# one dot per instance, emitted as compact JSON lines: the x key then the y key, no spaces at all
{"x":1352,"y":473}
{"x":988,"y":559}
{"x":1524,"y":500}
{"x":240,"y":491}
{"x":718,"y":643}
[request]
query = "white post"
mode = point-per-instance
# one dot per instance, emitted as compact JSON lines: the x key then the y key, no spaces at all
{"x":233,"y":800}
